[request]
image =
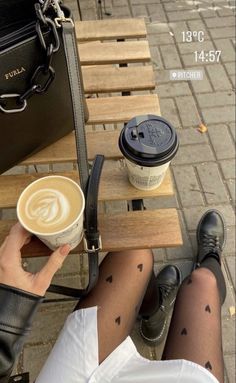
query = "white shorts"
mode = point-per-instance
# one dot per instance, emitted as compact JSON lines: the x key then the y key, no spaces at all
{"x":74,"y":359}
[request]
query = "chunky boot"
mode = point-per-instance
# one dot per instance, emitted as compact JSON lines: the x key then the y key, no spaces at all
{"x":153,"y":328}
{"x":211,"y":237}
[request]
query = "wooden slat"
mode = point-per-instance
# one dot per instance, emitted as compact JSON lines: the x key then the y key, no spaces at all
{"x":121,"y":231}
{"x":114,"y":79}
{"x":110,"y":29}
{"x":114,"y":53}
{"x":64,"y":150}
{"x":114,"y":185}
{"x":101,"y":111}
{"x":121,"y":109}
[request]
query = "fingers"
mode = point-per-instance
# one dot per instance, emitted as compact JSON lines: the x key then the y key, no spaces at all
{"x":18,"y":237}
{"x":53,"y":264}
{"x":13,"y":243}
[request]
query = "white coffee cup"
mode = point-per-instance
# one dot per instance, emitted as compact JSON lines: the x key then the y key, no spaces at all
{"x":52,"y":209}
{"x":148,"y":144}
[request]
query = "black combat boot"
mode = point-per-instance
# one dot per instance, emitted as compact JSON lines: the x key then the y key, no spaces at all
{"x":211,"y":237}
{"x":153,"y":328}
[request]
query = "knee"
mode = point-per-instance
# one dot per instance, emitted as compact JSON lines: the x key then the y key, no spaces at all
{"x":203,"y":277}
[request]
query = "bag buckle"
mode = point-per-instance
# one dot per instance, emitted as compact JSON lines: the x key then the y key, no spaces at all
{"x":17,"y":110}
{"x":93,"y":248}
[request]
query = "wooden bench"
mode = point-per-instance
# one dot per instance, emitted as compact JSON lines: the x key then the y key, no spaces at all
{"x":101,"y":54}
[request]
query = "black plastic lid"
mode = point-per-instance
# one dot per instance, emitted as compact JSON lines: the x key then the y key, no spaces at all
{"x":148,"y":140}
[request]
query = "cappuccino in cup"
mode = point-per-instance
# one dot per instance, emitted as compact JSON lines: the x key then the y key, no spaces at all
{"x":52,"y":209}
{"x":148,"y":144}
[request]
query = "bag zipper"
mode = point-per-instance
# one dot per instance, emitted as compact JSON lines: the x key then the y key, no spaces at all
{"x":17,"y":36}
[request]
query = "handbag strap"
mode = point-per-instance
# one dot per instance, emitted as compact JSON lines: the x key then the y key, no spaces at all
{"x":92,"y":239}
{"x":76,"y":85}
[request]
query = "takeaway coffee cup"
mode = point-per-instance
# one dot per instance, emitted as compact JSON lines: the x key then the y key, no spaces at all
{"x":148,"y":144}
{"x":52,"y":209}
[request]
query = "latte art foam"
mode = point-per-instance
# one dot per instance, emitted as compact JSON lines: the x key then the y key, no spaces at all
{"x":47,"y":207}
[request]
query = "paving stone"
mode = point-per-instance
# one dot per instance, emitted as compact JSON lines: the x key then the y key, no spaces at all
{"x":218,"y":77}
{"x":212,"y":185}
{"x":193,"y":214}
{"x":48,"y":322}
{"x":230,"y":367}
{"x":15,"y":170}
{"x":198,"y":25}
{"x":142,"y":1}
{"x":193,"y":154}
{"x":230,"y":263}
{"x":160,"y":38}
{"x":184,"y":15}
{"x":187,"y":110}
{"x":228,"y":332}
{"x":34,"y":358}
{"x":230,"y":233}
{"x":203,"y":85}
{"x":71,"y":265}
{"x":66,"y":167}
{"x":156,"y":58}
{"x":161,"y":203}
{"x":231,"y":187}
{"x":220,"y":114}
{"x":177,"y":6}
{"x":225,"y":12}
{"x":190,"y":136}
{"x":159,"y":255}
{"x":226,"y":48}
{"x":220,"y":22}
{"x":221,"y":141}
{"x":156,"y":12}
{"x":170,"y":57}
{"x":181,"y":252}
{"x":121,"y":12}
{"x":207,"y":11}
{"x":187,"y":185}
{"x":216,"y":99}
{"x":8,"y":214}
{"x":228,"y":168}
{"x":173,"y":89}
{"x":169,"y":111}
{"x":139,"y":11}
{"x":230,"y":296}
{"x":155,"y":27}
{"x":217,"y":33}
{"x":162,"y":76}
{"x":230,"y":68}
{"x":177,"y":28}
{"x":192,"y":47}
{"x":190,"y":61}
{"x":232,"y":129}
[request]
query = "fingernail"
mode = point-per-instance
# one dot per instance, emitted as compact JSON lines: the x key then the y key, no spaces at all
{"x":65,"y":249}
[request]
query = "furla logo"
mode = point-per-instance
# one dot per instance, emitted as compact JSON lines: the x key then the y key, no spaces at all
{"x":14,"y":73}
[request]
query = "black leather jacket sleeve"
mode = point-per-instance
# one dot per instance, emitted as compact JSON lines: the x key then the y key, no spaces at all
{"x":17,"y":308}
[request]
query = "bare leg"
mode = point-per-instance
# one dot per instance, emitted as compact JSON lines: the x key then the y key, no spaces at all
{"x":123,"y":279}
{"x":195,"y":330}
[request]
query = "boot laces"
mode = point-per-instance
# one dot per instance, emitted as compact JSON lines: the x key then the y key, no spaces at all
{"x":165,"y":290}
{"x":212,"y":243}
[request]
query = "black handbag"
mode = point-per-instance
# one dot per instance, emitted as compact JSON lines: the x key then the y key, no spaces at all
{"x":36,"y":106}
{"x":42,"y":99}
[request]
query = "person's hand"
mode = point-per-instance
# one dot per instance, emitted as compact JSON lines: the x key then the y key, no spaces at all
{"x":11,"y":271}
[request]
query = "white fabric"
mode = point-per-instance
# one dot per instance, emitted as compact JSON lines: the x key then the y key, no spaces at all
{"x":74,"y":359}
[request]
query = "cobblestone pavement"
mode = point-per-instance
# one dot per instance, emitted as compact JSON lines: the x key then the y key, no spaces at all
{"x":204,"y":169}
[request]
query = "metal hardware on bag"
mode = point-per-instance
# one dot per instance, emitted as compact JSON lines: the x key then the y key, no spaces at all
{"x":59,"y":20}
{"x":41,"y":70}
{"x":93,"y":249}
{"x":16,"y":96}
